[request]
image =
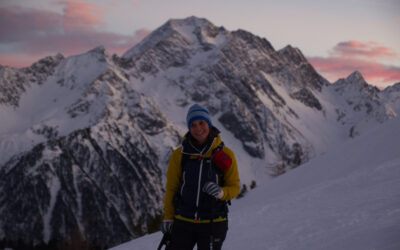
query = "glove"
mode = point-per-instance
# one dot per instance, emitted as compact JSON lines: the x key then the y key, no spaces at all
{"x":166,"y":226}
{"x":213,"y":189}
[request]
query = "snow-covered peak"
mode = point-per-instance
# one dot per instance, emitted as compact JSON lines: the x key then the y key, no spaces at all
{"x":356,"y":77}
{"x":148,"y":42}
{"x":85,"y":67}
{"x":54,"y":96}
{"x":98,"y":50}
{"x":292,"y":54}
{"x":188,"y":31}
{"x":363,"y":101}
{"x":49,"y":60}
{"x":393,"y":88}
{"x":15,"y":81}
{"x":391,"y":95}
{"x":356,"y":81}
{"x":192,"y":21}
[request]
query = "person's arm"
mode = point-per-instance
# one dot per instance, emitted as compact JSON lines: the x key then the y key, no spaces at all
{"x":174,"y":175}
{"x":231,"y":186}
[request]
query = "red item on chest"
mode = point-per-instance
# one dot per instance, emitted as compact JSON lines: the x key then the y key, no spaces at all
{"x":222,"y":160}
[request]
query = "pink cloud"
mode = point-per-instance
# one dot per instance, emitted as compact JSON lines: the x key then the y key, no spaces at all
{"x":79,"y":42}
{"x":374,"y":72}
{"x":114,"y":4}
{"x":17,"y":60}
{"x":74,"y":43}
{"x":80,"y":15}
{"x":347,"y":57}
{"x":33,"y":34}
{"x":359,"y":49}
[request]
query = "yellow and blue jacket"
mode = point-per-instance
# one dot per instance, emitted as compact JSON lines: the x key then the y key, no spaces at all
{"x":184,"y":198}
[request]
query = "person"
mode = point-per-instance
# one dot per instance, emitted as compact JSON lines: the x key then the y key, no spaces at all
{"x":202,"y":177}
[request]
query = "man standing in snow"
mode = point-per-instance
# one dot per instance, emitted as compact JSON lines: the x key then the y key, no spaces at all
{"x":202,"y":177}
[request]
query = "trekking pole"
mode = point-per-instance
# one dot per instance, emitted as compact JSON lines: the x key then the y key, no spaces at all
{"x":164,"y":241}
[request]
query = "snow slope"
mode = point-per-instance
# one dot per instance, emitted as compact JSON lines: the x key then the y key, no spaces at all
{"x":348,"y":198}
{"x":47,"y":106}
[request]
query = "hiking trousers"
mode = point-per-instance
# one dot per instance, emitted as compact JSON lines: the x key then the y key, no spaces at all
{"x":185,"y":235}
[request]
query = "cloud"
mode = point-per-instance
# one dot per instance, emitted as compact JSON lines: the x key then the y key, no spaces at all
{"x":344,"y":66}
{"x":21,"y":24}
{"x":78,"y":42}
{"x":35,"y":33}
{"x":349,"y":56}
{"x":16,"y":60}
{"x":80,"y":15}
{"x":114,"y":4}
{"x":374,"y":72}
{"x":359,"y":49}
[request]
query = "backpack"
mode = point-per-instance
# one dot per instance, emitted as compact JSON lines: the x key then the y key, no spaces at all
{"x":220,"y":159}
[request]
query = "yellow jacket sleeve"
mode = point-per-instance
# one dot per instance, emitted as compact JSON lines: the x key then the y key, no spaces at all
{"x":231,"y":186}
{"x":174,"y":176}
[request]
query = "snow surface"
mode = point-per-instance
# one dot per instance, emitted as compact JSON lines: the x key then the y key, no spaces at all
{"x":348,"y":198}
{"x":46,"y":105}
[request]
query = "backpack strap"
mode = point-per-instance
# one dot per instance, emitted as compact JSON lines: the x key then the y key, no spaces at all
{"x":185,"y":158}
{"x":220,"y":147}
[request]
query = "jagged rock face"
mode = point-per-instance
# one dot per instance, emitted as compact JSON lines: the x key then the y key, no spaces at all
{"x":90,"y":162}
{"x":302,"y":72}
{"x":82,"y":183}
{"x":306,"y":97}
{"x":15,"y":82}
{"x":100,"y":182}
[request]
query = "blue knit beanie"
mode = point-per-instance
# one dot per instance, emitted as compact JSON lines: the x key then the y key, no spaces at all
{"x":197,"y":112}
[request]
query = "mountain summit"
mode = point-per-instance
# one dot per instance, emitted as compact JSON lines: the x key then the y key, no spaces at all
{"x":86,"y":142}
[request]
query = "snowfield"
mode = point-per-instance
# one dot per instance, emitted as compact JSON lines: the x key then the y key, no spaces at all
{"x":348,"y":198}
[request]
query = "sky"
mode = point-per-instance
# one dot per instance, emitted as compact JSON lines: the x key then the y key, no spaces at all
{"x":337,"y":37}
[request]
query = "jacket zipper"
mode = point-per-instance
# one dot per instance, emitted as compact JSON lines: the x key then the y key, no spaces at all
{"x":198,"y":188}
{"x":199,"y":183}
{"x":183,"y":183}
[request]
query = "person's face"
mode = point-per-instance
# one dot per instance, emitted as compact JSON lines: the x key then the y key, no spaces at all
{"x":199,"y":129}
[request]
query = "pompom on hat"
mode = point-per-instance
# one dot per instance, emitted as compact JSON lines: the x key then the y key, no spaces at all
{"x":197,"y":112}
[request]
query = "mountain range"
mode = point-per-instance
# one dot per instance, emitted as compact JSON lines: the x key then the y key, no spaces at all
{"x":85,"y":140}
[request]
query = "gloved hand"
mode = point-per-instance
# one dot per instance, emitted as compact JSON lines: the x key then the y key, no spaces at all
{"x":166,"y":226}
{"x":213,"y":189}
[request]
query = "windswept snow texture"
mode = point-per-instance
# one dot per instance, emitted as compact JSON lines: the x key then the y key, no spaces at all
{"x":348,"y":198}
